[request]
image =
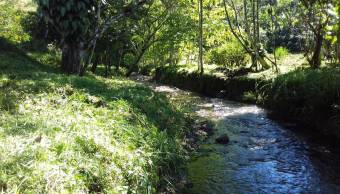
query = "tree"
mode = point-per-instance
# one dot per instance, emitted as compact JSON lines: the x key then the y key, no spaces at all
{"x":273,"y":29}
{"x":71,"y":20}
{"x":247,"y":35}
{"x":146,"y":36}
{"x":79,"y":24}
{"x":200,"y":55}
{"x":317,"y":16}
{"x":161,"y":36}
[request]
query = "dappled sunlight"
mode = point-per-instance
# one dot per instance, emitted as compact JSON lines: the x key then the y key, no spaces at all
{"x":219,"y":109}
{"x":213,"y":108}
{"x":166,"y":89}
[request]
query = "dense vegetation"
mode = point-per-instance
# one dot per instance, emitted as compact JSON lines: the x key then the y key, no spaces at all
{"x":72,"y":122}
{"x":308,"y":96}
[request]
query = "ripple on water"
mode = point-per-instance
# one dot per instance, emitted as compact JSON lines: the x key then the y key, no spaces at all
{"x":264,"y":158}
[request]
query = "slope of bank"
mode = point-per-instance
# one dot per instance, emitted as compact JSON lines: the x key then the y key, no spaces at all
{"x":69,"y":134}
{"x":306,"y":96}
{"x":238,"y":89}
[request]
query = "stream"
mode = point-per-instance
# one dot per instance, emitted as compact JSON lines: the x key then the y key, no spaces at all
{"x":263,"y":156}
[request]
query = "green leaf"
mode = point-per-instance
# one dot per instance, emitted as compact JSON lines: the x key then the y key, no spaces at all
{"x":63,"y":11}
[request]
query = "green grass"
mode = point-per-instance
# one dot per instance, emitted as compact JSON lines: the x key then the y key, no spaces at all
{"x":281,"y":52}
{"x":310,"y":96}
{"x":69,"y":134}
{"x":286,"y":64}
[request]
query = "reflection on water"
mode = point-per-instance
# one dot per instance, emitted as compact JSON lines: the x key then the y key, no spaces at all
{"x":262,"y":157}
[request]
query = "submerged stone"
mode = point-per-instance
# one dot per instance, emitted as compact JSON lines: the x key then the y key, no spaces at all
{"x":223,"y":139}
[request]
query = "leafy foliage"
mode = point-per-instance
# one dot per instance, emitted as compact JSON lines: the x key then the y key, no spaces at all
{"x":230,"y":55}
{"x":281,"y":52}
{"x":70,"y":19}
{"x":288,"y":37}
{"x":10,"y":23}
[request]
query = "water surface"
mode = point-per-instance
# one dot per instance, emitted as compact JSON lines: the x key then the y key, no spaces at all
{"x":263,"y":156}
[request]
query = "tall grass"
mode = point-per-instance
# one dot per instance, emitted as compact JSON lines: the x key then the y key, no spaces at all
{"x":310,"y":96}
{"x":66,"y":134}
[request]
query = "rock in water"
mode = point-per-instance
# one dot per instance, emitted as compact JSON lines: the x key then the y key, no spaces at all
{"x":223,"y":139}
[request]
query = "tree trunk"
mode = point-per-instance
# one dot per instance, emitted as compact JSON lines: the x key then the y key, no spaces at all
{"x":171,"y":54}
{"x":95,"y":64}
{"x":316,"y":59}
{"x":254,"y":42}
{"x":120,"y":56}
{"x":246,"y":24}
{"x":200,"y":56}
{"x":273,"y":30}
{"x":134,"y":65}
{"x":71,"y":61}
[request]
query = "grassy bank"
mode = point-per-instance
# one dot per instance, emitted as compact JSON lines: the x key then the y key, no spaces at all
{"x":307,"y":96}
{"x":239,"y":88}
{"x":303,"y":95}
{"x":69,"y":134}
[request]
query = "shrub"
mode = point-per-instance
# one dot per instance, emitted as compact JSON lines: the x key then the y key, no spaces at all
{"x":281,"y":52}
{"x":128,"y":59}
{"x":10,"y":24}
{"x":311,"y":96}
{"x":229,"y":55}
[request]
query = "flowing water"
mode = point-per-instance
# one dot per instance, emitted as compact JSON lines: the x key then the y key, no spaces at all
{"x":263,"y":156}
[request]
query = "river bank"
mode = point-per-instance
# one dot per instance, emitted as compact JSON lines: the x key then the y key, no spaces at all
{"x":309,"y":98}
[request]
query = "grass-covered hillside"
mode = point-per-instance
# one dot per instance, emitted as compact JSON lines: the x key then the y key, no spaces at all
{"x":70,"y":134}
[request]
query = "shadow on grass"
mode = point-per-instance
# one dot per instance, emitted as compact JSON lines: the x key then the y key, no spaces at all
{"x":155,"y":106}
{"x":27,"y":75}
{"x":14,"y":61}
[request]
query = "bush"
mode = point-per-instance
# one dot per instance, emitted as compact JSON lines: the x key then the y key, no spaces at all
{"x":311,"y":96}
{"x":229,"y":55}
{"x":128,"y":59}
{"x":281,"y":52}
{"x":10,"y":24}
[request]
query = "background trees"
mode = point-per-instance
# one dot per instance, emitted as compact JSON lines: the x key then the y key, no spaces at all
{"x":200,"y":60}
{"x":79,"y":24}
{"x":141,"y":35}
{"x":318,"y":15}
